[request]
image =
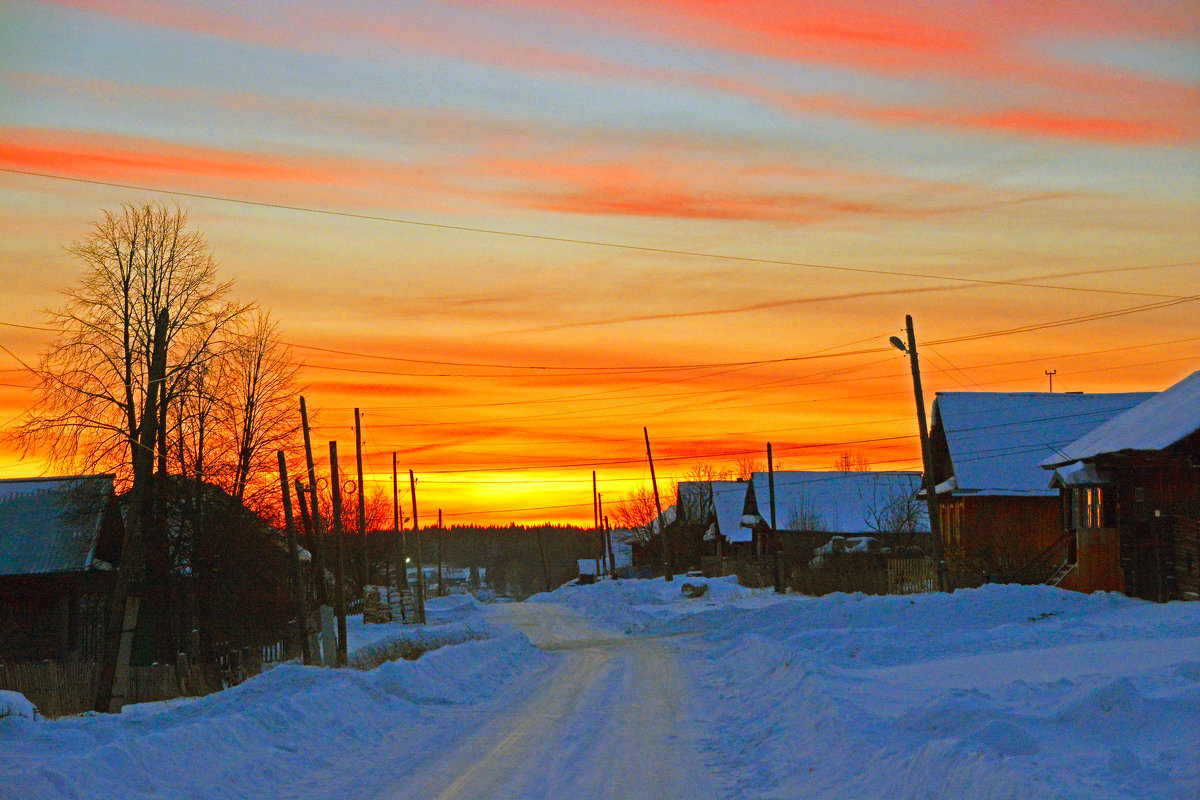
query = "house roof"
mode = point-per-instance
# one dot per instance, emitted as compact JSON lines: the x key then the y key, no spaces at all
{"x":840,"y":502}
{"x":51,"y":525}
{"x":997,"y":439}
{"x":666,"y":519}
{"x":1152,"y":425}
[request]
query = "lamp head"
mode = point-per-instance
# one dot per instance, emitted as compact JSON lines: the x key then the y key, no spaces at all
{"x":899,"y":345}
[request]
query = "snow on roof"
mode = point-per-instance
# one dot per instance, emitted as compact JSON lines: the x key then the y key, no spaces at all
{"x":1155,"y":424}
{"x":997,"y":439}
{"x":1078,"y":474}
{"x":665,"y":520}
{"x":841,"y":502}
{"x":729,"y":501}
{"x":51,"y":525}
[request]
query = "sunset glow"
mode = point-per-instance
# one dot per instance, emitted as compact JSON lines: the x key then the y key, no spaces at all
{"x":514,"y":233}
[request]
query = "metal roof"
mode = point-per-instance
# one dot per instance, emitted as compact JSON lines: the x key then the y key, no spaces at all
{"x":51,"y":525}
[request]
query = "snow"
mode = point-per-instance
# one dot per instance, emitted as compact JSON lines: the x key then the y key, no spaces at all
{"x":729,"y":500}
{"x":14,"y":704}
{"x":1153,"y":425}
{"x":629,"y":689}
{"x":997,"y":439}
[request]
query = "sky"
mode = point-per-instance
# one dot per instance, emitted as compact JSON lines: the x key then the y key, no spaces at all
{"x":516,"y":233}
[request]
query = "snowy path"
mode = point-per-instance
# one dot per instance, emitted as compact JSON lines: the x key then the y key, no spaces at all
{"x":608,"y":720}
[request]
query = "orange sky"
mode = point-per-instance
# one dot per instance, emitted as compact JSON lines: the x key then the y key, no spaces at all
{"x":739,"y":204}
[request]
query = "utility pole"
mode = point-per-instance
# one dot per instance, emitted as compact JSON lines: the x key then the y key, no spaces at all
{"x":339,"y":567}
{"x":317,"y":530}
{"x":596,"y":524}
{"x":364,"y":572}
{"x":398,"y":530}
{"x":662,"y":532}
{"x":776,"y":540}
{"x":612,"y":561}
{"x":294,"y":550}
{"x":440,"y":542}
{"x":1051,"y":373}
{"x":542,"y":553}
{"x":931,"y":500}
{"x":412,"y":482}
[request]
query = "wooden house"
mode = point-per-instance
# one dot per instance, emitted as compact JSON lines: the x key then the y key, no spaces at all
{"x":1130,"y":498}
{"x":58,"y":540}
{"x":999,"y":517}
{"x":710,"y":520}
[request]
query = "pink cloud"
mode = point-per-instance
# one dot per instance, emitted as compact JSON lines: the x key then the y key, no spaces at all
{"x":975,"y":49}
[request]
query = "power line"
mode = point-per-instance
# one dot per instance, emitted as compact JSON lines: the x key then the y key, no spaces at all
{"x":1030,"y":328}
{"x":576,"y":241}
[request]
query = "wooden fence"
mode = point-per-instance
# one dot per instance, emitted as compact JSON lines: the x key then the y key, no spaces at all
{"x":59,"y":689}
{"x":911,"y":575}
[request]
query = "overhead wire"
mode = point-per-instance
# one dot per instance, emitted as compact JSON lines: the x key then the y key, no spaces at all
{"x":575,"y":241}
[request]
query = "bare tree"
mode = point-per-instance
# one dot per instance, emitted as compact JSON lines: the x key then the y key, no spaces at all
{"x":93,"y":378}
{"x":892,"y":509}
{"x":636,"y":512}
{"x":694,"y":503}
{"x":804,"y":516}
{"x":257,"y":410}
{"x":746,"y":466}
{"x":851,"y":462}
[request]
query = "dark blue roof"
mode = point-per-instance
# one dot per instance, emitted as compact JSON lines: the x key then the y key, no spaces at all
{"x":51,"y":525}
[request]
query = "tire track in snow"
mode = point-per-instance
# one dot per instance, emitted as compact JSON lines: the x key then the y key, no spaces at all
{"x":611,"y":720}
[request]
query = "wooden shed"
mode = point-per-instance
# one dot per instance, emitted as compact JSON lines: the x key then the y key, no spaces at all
{"x":58,"y":540}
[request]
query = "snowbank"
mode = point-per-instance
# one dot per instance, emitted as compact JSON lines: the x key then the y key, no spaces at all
{"x":13,"y":705}
{"x":260,"y":738}
{"x":631,"y":606}
{"x":998,"y":692}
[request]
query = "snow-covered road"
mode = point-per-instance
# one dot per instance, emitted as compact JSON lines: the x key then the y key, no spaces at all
{"x":608,"y":719}
{"x":628,"y":690}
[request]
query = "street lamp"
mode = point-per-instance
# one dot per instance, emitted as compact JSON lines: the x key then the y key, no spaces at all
{"x":935,"y":526}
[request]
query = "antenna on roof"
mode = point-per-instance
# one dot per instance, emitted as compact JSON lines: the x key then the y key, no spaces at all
{"x":1051,"y":373}
{"x":1055,"y":449}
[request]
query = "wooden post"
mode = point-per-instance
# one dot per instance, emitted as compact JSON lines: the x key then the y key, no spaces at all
{"x":662,"y":531}
{"x":398,"y":529}
{"x":294,"y":550}
{"x":596,"y":523}
{"x":317,"y":530}
{"x":931,"y":499}
{"x":440,"y":541}
{"x":364,"y":572}
{"x":612,"y":557}
{"x":776,"y":542}
{"x":545,"y":564}
{"x":412,"y":482}
{"x":339,"y":546}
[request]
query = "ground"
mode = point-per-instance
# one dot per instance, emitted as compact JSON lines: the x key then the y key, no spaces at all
{"x":629,"y":690}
